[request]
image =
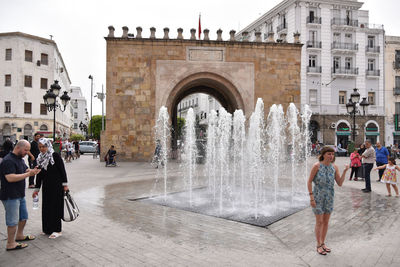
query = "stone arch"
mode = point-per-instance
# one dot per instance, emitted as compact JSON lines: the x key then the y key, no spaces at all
{"x":6,"y":129}
{"x":44,"y":127}
{"x":367,"y":134}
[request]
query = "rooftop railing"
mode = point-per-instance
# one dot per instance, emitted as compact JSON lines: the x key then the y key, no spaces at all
{"x":344,"y":22}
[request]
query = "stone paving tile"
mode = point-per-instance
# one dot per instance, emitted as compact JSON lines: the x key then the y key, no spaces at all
{"x":112,"y":231}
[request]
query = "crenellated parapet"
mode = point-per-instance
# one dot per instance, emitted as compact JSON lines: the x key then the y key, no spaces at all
{"x":244,"y":38}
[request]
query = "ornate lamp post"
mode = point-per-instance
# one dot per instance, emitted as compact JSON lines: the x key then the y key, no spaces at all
{"x":353,"y":109}
{"x":50,"y":100}
{"x":83,"y":128}
{"x":91,"y":97}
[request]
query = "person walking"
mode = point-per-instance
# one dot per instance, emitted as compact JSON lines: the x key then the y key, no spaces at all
{"x":382,"y":155}
{"x":368,"y":158}
{"x":13,"y":172}
{"x":33,"y":153}
{"x":53,"y":180}
{"x":355,"y":159}
{"x":389,"y":176}
{"x":323,"y":174}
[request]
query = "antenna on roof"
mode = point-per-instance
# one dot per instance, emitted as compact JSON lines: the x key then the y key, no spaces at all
{"x":51,"y":37}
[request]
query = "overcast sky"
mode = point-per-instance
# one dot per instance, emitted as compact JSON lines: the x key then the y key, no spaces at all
{"x":78,"y":26}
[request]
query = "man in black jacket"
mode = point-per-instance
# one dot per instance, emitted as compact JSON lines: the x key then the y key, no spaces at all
{"x":33,"y":154}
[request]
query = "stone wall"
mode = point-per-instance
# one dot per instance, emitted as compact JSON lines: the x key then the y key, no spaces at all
{"x":136,"y":86}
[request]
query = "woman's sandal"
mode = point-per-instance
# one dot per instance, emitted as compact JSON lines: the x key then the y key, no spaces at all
{"x":324,"y":247}
{"x":322,"y":251}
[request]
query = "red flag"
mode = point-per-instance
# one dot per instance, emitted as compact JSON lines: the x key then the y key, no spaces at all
{"x":199,"y":26}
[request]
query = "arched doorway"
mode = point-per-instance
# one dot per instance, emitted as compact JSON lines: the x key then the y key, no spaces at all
{"x":372,"y":131}
{"x":342,"y":134}
{"x":28,"y":132}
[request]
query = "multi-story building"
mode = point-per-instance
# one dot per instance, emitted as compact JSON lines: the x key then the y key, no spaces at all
{"x":392,"y":85}
{"x":79,"y":110}
{"x":341,"y":51}
{"x":28,"y":66}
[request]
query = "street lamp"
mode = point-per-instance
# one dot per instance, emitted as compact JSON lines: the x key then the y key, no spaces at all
{"x":91,"y":97}
{"x":50,"y":100}
{"x":352,"y":108}
{"x":101,"y":97}
{"x":83,"y":128}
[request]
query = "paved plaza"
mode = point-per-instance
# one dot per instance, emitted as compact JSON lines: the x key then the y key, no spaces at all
{"x":113,"y":231}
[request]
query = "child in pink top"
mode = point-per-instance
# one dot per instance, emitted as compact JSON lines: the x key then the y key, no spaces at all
{"x":355,"y":164}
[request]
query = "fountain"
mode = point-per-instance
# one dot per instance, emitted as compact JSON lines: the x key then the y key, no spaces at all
{"x":256,"y":176}
{"x":162,"y":134}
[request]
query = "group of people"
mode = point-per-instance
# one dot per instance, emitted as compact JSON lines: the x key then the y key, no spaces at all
{"x":51,"y":179}
{"x":325,"y":173}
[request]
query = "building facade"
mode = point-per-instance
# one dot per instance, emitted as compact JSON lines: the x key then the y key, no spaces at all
{"x":392,"y":84}
{"x":202,"y":105}
{"x":29,"y":65}
{"x":341,"y":51}
{"x":79,"y":112}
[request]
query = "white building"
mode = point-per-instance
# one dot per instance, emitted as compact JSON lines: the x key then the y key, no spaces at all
{"x":392,"y":84}
{"x":79,"y":110}
{"x":202,"y":105}
{"x":28,"y":66}
{"x":341,"y":51}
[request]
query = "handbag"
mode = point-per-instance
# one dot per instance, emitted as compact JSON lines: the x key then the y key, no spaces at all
{"x":71,"y":210}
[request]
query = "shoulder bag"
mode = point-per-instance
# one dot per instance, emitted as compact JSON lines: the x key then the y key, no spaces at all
{"x":71,"y":210}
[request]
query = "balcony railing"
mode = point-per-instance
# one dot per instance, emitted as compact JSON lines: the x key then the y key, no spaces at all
{"x":374,"y":49}
{"x":187,"y":107}
{"x":373,"y":72}
{"x":281,"y":27}
{"x":345,"y":46}
{"x":396,"y":91}
{"x":344,"y":22}
{"x":311,"y":44}
{"x":371,"y":26}
{"x":315,"y":20}
{"x":316,"y":69}
{"x":346,"y":71}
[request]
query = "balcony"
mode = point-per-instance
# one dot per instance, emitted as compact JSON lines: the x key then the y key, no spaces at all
{"x":374,"y":73}
{"x":314,"y":20}
{"x":311,"y":44}
{"x":344,"y":46}
{"x":344,"y":22}
{"x":372,"y":26}
{"x":315,"y":69}
{"x":344,"y":71}
{"x":396,"y":91}
{"x":374,"y":49}
{"x":281,"y":27}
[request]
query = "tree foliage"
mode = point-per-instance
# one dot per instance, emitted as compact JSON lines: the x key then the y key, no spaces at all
{"x":96,"y":119}
{"x":77,"y":137}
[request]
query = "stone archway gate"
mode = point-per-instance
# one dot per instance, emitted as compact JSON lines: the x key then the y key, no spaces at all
{"x":144,"y":74}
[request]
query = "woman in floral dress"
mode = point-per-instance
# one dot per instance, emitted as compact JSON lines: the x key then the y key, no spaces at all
{"x":389,"y":176}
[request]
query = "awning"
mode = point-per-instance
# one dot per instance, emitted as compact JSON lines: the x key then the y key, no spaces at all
{"x":343,"y":133}
{"x":372,"y":133}
{"x":396,"y":133}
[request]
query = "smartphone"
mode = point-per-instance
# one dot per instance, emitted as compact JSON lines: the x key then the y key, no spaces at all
{"x":39,"y":167}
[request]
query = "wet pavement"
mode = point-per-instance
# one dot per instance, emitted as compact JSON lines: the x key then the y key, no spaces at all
{"x":113,"y":231}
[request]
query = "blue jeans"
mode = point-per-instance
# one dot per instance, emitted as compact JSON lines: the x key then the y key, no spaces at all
{"x":367,"y":170}
{"x":15,"y":211}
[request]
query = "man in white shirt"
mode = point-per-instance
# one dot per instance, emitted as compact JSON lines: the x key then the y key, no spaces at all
{"x":368,"y":158}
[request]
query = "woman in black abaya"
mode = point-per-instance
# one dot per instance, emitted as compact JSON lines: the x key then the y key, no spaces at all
{"x":53,"y":180}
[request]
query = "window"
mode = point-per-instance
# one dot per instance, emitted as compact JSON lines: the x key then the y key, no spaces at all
{"x":7,"y":107}
{"x":371,"y":64}
{"x":348,"y":63}
{"x":75,"y":125}
{"x":336,"y":63}
{"x":44,"y":59}
{"x":43,"y":127}
{"x":342,"y":97}
{"x":313,"y":96}
{"x":28,"y":81}
{"x":371,"y":41}
{"x":27,"y":108}
{"x":43,"y":109}
{"x":75,"y":115}
{"x":43,"y":83}
{"x":7,"y":80}
{"x":397,"y":59}
{"x":28,"y":55}
{"x":348,"y":17}
{"x":313,"y":36}
{"x":397,"y":107}
{"x":371,"y":98}
{"x":348,"y":38}
{"x":270,"y":28}
{"x":312,"y":60}
{"x":312,"y":16}
{"x":397,"y":81}
{"x":336,"y":37}
{"x":8,"y":54}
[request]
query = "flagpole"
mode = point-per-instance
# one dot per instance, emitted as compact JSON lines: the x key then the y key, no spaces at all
{"x":199,"y":25}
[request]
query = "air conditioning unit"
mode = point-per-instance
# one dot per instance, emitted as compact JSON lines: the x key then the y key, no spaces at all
{"x":333,"y":125}
{"x":13,"y":125}
{"x":357,"y":132}
{"x":38,"y":63}
{"x":357,"y":127}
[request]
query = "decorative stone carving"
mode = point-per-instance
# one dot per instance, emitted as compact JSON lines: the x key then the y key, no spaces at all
{"x":245,"y":36}
{"x":139,"y":32}
{"x":125,"y":32}
{"x":152,"y":33}
{"x":180,"y":35}
{"x":258,"y":37}
{"x":206,"y":33}
{"x":232,"y":35}
{"x":206,"y":55}
{"x":192,"y":34}
{"x":111,"y":31}
{"x":219,"y":35}
{"x":282,"y":36}
{"x":166,"y":33}
{"x":271,"y":37}
{"x":296,"y":36}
